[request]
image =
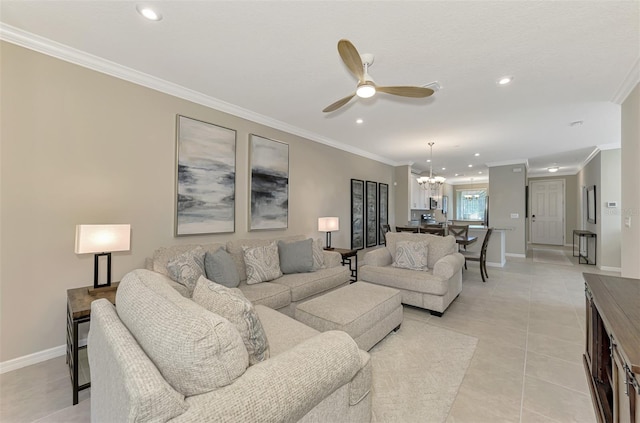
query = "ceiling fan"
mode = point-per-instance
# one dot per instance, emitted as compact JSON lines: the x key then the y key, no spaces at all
{"x":359,"y":66}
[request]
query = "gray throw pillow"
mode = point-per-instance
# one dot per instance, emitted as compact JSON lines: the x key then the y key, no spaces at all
{"x":262,"y":263}
{"x":231,"y":304}
{"x":318,"y":255}
{"x":296,"y":257}
{"x":220,"y":268}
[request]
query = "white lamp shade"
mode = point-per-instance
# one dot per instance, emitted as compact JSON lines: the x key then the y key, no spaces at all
{"x":328,"y":224}
{"x":102,"y":238}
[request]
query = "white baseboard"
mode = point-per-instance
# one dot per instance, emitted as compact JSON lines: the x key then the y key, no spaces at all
{"x":515,"y":255}
{"x":493,"y":264}
{"x":37,"y":357}
{"x":610,"y":269}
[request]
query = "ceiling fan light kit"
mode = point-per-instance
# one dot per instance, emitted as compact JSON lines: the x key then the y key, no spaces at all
{"x":366,"y":88}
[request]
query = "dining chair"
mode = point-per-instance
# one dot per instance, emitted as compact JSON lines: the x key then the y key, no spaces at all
{"x":480,"y":257}
{"x":459,"y":231}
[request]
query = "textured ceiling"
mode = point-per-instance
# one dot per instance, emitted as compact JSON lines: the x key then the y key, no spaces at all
{"x":571,"y":61}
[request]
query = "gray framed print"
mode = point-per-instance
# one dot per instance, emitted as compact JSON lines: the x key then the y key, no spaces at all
{"x":269,"y":184}
{"x":357,"y":214}
{"x":372,"y":214}
{"x":205,"y":178}
{"x":383,"y":210}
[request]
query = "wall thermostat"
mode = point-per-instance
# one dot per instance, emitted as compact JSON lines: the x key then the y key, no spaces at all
{"x":612,"y":204}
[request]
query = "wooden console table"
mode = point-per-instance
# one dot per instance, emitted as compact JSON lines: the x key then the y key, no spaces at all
{"x":612,"y":356}
{"x":584,"y":258}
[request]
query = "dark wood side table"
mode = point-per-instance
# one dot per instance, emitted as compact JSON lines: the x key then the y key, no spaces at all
{"x":350,"y":258}
{"x":79,"y":311}
{"x":584,"y":258}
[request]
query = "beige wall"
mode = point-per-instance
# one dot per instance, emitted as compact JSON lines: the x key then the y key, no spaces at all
{"x":588,"y":176}
{"x":79,"y":146}
{"x":507,"y":197}
{"x":630,"y":194}
{"x":571,"y":193}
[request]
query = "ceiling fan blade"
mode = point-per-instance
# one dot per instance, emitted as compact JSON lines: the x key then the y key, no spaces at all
{"x":417,"y":92}
{"x":338,"y":104}
{"x":351,"y":58}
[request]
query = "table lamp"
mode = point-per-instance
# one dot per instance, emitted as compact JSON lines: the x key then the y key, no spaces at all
{"x":328,"y":225}
{"x":102,"y":240}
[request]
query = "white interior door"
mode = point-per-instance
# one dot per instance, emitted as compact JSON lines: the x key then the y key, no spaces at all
{"x":547,"y":211}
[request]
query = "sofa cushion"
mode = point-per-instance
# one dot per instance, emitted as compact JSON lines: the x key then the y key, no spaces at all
{"x":296,"y":256}
{"x":283,"y":332}
{"x":304,"y":285}
{"x":439,"y":247}
{"x":164,"y":255}
{"x":262,"y":263}
{"x":423,"y":282}
{"x":235,"y":249}
{"x":233,"y":306}
{"x":411,"y":255}
{"x":268,"y":294}
{"x":187,"y":267}
{"x":219,"y":267}
{"x":196,"y":350}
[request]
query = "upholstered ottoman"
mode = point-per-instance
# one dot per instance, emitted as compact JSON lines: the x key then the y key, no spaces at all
{"x":365,"y":311}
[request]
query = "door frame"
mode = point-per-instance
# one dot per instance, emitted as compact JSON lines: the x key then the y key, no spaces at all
{"x":564,"y":207}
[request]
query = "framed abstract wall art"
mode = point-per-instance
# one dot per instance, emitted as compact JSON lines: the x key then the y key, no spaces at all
{"x":383,"y":209}
{"x":206,"y":178}
{"x":357,"y":214}
{"x":372,"y":214}
{"x":269,"y":183}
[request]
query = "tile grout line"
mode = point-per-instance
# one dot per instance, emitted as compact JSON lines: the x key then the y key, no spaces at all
{"x":526,"y":351}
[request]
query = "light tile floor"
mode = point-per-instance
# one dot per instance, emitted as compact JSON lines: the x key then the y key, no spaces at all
{"x":527,"y":367}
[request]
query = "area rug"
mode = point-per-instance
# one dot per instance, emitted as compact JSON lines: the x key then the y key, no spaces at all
{"x":417,"y":372}
{"x":551,"y":257}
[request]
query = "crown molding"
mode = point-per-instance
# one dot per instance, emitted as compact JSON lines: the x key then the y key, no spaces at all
{"x":63,"y":52}
{"x":509,"y":162}
{"x":628,"y":84}
{"x":590,"y":157}
{"x":610,"y":146}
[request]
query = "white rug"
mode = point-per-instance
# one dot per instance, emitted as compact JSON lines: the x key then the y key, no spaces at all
{"x":551,"y":257}
{"x":417,"y":372}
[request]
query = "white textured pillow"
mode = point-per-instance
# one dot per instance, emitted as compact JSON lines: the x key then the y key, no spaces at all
{"x":231,"y":304}
{"x":318,"y":254}
{"x":187,"y":267}
{"x":262,"y":263}
{"x":411,"y":255}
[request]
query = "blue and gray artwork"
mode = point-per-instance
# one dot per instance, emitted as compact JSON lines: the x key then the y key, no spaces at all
{"x":269,"y":184}
{"x":206,"y":178}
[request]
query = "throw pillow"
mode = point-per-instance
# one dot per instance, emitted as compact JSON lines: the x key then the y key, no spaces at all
{"x":318,"y":255}
{"x":296,"y":257}
{"x":233,"y":306}
{"x":187,"y":267}
{"x":262,"y":263}
{"x":411,"y":255}
{"x":220,"y":268}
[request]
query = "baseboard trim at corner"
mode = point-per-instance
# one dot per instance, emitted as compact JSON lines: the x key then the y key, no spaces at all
{"x":515,"y":255}
{"x":610,"y":269}
{"x":494,"y":264}
{"x":35,"y":358}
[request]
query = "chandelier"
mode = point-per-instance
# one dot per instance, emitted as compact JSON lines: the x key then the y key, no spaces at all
{"x":432,"y":182}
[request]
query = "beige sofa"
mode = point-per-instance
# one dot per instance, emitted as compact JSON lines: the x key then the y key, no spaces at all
{"x":310,"y":376}
{"x":433,"y":289}
{"x":282,"y":294}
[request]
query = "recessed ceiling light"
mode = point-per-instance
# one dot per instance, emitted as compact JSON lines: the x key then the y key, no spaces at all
{"x":477,"y":154}
{"x":428,"y":160}
{"x":553,"y":169}
{"x":505,"y":80}
{"x":444,"y":168}
{"x":456,"y":174}
{"x":479,"y":173}
{"x":470,"y":165}
{"x":149,"y":13}
{"x":359,"y":120}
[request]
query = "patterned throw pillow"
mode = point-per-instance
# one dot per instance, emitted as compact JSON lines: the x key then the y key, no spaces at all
{"x":233,"y":306}
{"x":187,"y":267}
{"x":411,"y":255}
{"x":318,"y":255}
{"x":262,"y":263}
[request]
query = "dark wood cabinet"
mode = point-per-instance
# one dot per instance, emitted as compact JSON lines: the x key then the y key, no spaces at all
{"x":612,"y":350}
